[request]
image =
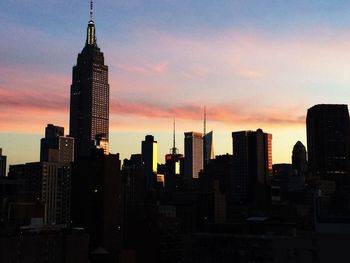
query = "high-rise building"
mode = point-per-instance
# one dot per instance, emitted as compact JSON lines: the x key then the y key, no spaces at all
{"x":328,"y":141}
{"x":193,"y":154}
{"x":149,"y":150}
{"x":2,"y":164}
{"x":299,"y":159}
{"x":55,"y":147}
{"x":89,"y":103}
{"x":208,"y":147}
{"x":252,"y":165}
{"x":49,"y":184}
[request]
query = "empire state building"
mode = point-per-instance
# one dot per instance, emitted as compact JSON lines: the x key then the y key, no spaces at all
{"x":89,"y":98}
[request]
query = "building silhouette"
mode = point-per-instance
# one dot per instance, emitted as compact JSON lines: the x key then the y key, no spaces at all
{"x":89,"y":97}
{"x":193,"y":162}
{"x":208,"y":147}
{"x":299,"y":158}
{"x":149,"y":149}
{"x":96,"y":201}
{"x":55,"y":147}
{"x":328,"y":141}
{"x":252,"y":166}
{"x":3,"y":159}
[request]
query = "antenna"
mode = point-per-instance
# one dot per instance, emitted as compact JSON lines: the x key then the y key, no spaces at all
{"x":91,"y":9}
{"x":174,"y":136}
{"x":205,"y":120}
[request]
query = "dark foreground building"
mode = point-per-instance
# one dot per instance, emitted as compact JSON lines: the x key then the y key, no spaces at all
{"x":54,"y":244}
{"x":328,"y":142}
{"x":96,"y":202}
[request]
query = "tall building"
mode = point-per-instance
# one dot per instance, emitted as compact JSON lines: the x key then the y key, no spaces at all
{"x":299,"y":158}
{"x":149,"y":150}
{"x":328,"y":141}
{"x":89,"y":100}
{"x":193,"y":154}
{"x":2,"y":164}
{"x":252,"y":165}
{"x":55,"y":147}
{"x":208,"y":147}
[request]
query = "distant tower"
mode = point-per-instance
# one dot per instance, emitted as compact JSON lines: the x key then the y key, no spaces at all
{"x":55,"y":147}
{"x":299,"y":160}
{"x":208,"y":147}
{"x":328,"y":141}
{"x":193,"y":154}
{"x":89,"y":104}
{"x":252,"y":164}
{"x":150,"y":159}
{"x":2,"y":164}
{"x":173,"y":166}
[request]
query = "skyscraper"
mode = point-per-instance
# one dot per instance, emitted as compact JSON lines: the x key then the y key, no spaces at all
{"x":328,"y":142}
{"x":89,"y":104}
{"x":252,"y":164}
{"x":150,"y":160}
{"x":299,"y":160}
{"x":208,"y":147}
{"x":193,"y":154}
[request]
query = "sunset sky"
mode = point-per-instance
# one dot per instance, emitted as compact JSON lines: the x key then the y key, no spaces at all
{"x":254,"y":64}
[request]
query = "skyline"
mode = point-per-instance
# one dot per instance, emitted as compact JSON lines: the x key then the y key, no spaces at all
{"x":244,"y":58}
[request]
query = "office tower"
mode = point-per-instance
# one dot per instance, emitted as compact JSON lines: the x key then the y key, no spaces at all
{"x":208,"y":147}
{"x":252,"y":165}
{"x":193,"y":154}
{"x":49,"y":184}
{"x":55,"y":147}
{"x":149,"y":150}
{"x":89,"y":100}
{"x":2,"y":164}
{"x":96,"y":202}
{"x":299,"y":159}
{"x":328,"y":141}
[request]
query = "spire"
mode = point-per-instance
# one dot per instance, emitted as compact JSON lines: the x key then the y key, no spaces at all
{"x":174,"y":150}
{"x":91,"y":37}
